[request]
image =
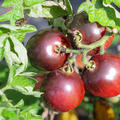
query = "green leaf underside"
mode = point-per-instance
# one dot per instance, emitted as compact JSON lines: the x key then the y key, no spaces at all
{"x":23,"y":81}
{"x":14,"y":14}
{"x":47,"y":11}
{"x":29,"y":114}
{"x":29,"y":74}
{"x":19,"y":36}
{"x":18,"y":32}
{"x":2,"y":45}
{"x":7,"y":54}
{"x":14,"y":114}
{"x":19,"y":29}
{"x":98,"y":12}
{"x":25,"y":85}
{"x":54,"y":11}
{"x":20,"y":49}
{"x":29,"y":3}
{"x":116,"y":2}
{"x":16,"y":56}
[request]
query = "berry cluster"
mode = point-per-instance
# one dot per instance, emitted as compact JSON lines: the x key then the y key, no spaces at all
{"x":62,"y":57}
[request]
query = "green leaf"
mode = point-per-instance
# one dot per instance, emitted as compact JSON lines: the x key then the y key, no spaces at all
{"x":22,"y":81}
{"x":2,"y":45}
{"x":20,"y":103}
{"x":26,"y":29}
{"x":7,"y":54}
{"x":11,"y":74}
{"x":1,"y":53}
{"x":98,"y":12}
{"x":18,"y":32}
{"x":19,"y":36}
{"x":19,"y":29}
{"x":4,"y":104}
{"x":9,"y":61}
{"x":20,"y":50}
{"x":1,"y":32}
{"x":28,"y":74}
{"x":47,"y":11}
{"x":15,"y":58}
{"x":25,"y":85}
{"x":16,"y":13}
{"x":2,"y":40}
{"x":30,"y":115}
{"x":20,"y":69}
{"x":69,"y":7}
{"x":9,"y":114}
{"x":59,"y":23}
{"x":116,"y":2}
{"x":28,"y":91}
{"x":29,"y":3}
{"x":1,"y":118}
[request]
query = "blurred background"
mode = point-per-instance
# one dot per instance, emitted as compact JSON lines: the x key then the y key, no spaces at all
{"x":92,"y":108}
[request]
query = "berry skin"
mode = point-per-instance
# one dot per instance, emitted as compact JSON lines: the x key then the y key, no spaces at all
{"x":41,"y":49}
{"x":79,"y":62}
{"x":108,"y":42}
{"x":63,"y":92}
{"x":88,"y":33}
{"x":104,"y":79}
{"x":93,"y":32}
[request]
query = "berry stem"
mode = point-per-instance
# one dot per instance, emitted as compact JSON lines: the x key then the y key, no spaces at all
{"x":68,"y":50}
{"x":71,"y":59}
{"x":102,"y":50}
{"x":84,"y":49}
{"x":96,"y":44}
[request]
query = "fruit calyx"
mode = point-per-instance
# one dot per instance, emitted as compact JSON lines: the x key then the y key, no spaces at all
{"x":60,"y":49}
{"x":68,"y":68}
{"x":91,"y":65}
{"x":76,"y":36}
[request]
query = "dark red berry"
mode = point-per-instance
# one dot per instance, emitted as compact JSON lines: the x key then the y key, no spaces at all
{"x":42,"y":49}
{"x":104,"y":79}
{"x":93,"y":32}
{"x":64,"y":92}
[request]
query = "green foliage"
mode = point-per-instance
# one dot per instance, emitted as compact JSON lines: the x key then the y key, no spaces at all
{"x":116,"y":2}
{"x":69,"y":7}
{"x":47,"y":10}
{"x":9,"y":114}
{"x":15,"y":114}
{"x":2,"y":45}
{"x":29,"y":3}
{"x":59,"y":23}
{"x":22,"y":81}
{"x":98,"y":12}
{"x":16,"y":11}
